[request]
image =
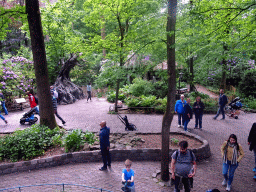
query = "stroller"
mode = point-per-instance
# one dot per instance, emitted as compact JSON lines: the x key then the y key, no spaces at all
{"x":29,"y":117}
{"x":128,"y":126}
{"x":125,"y":188}
{"x":233,"y":108}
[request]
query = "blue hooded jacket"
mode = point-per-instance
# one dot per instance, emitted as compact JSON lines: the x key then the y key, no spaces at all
{"x":179,"y":106}
{"x":104,"y":137}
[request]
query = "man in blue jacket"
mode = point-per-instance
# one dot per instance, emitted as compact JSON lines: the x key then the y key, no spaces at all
{"x":179,"y":109}
{"x":105,"y":145}
{"x":223,"y":100}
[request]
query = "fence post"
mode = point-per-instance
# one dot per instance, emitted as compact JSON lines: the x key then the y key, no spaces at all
{"x":63,"y":187}
{"x":19,"y":189}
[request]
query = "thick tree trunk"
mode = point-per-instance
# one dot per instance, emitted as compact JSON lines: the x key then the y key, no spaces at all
{"x":39,"y":57}
{"x":68,"y":92}
{"x":168,"y":116}
{"x":191,"y":70}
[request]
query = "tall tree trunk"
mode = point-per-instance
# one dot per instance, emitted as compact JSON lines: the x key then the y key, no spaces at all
{"x":39,"y":57}
{"x":191,"y":74}
{"x":121,"y":59}
{"x":168,"y":116}
{"x":223,"y":84}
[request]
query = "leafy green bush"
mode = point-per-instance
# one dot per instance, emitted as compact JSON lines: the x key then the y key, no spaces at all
{"x":89,"y":137}
{"x":28,"y":143}
{"x":211,"y":105}
{"x":133,"y":102}
{"x":247,"y":86}
{"x":249,"y":102}
{"x":111,"y":97}
{"x":160,"y":89}
{"x":147,"y":101}
{"x":74,"y":140}
{"x":160,"y":105}
{"x":141,"y":87}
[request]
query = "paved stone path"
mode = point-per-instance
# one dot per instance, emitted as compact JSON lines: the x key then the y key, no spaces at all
{"x":87,"y":117}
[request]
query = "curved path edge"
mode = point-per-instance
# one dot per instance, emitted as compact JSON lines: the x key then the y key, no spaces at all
{"x":146,"y":154}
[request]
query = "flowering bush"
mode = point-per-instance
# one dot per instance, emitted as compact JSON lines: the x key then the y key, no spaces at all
{"x":16,"y":75}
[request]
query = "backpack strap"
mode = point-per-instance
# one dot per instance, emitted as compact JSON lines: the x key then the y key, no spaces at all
{"x":177,"y":153}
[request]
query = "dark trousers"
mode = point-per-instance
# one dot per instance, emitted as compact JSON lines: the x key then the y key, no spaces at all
{"x":106,"y":157}
{"x":198,"y":117}
{"x":222,"y":111}
{"x":187,"y":182}
{"x":55,"y":112}
{"x":180,"y":116}
{"x":89,"y":95}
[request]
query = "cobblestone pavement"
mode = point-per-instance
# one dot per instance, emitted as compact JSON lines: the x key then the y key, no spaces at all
{"x":88,"y":115}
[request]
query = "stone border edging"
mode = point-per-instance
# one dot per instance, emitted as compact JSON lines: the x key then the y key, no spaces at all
{"x":95,"y":156}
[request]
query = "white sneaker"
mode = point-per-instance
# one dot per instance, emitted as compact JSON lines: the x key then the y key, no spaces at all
{"x":182,"y":126}
{"x":179,"y":126}
{"x":224,"y":182}
{"x":228,"y":187}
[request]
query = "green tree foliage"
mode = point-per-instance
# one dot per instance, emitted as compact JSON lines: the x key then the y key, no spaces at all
{"x":248,"y":83}
{"x":13,"y":16}
{"x":126,"y":24}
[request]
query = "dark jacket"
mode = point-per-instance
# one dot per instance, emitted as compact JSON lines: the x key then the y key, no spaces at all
{"x":104,"y":137}
{"x":223,"y":100}
{"x":252,"y":138}
{"x":198,"y":107}
{"x":187,"y":110}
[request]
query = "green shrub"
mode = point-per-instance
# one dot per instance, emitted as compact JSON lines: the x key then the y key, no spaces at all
{"x":141,"y":87}
{"x":160,"y":89}
{"x":26,"y":144}
{"x":74,"y":140}
{"x":89,"y":137}
{"x":247,"y":85}
{"x":211,"y":105}
{"x":160,"y":105}
{"x":249,"y":103}
{"x":147,"y":101}
{"x":133,"y":102}
{"x":111,"y":97}
{"x":57,"y":140}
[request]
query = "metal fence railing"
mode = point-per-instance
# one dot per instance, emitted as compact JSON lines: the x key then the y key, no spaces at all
{"x":63,"y":186}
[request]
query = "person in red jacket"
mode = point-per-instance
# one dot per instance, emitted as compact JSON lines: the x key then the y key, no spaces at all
{"x":32,"y":101}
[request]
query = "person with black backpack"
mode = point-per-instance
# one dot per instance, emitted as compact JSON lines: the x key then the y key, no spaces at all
{"x":183,"y":167}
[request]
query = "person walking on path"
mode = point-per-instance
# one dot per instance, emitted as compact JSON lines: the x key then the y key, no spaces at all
{"x":89,"y":89}
{"x":223,"y":100}
{"x":252,"y":143}
{"x":54,"y":104}
{"x":188,"y":113}
{"x":1,"y":116}
{"x":128,"y":176}
{"x":179,"y":109}
{"x":198,"y":108}
{"x":32,"y":101}
{"x":105,"y":145}
{"x":3,"y":103}
{"x":232,"y":153}
{"x":183,"y":167}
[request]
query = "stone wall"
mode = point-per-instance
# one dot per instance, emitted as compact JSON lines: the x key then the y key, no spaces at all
{"x":95,"y":156}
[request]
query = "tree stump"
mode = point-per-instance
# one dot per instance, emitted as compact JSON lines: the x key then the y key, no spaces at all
{"x":68,"y":92}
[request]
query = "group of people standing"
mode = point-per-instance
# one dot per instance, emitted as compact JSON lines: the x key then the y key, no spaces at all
{"x":185,"y":112}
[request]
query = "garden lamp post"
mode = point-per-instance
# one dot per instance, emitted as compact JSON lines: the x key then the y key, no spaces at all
{"x":180,"y":77}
